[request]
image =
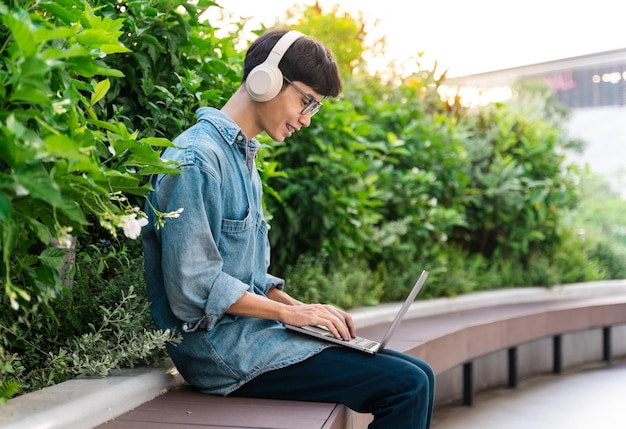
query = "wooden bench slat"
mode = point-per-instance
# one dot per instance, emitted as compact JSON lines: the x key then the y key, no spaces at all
{"x":186,"y":406}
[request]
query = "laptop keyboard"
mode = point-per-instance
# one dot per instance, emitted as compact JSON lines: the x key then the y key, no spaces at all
{"x":363,"y":342}
{"x":357,"y":341}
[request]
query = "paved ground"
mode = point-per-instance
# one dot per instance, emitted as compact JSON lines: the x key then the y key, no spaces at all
{"x":594,"y":397}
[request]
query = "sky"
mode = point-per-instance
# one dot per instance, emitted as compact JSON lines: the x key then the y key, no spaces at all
{"x":472,"y":36}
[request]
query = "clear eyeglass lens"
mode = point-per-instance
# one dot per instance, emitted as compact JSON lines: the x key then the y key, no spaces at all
{"x":312,"y":107}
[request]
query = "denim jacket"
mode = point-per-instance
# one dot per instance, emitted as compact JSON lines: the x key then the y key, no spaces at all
{"x":199,"y":264}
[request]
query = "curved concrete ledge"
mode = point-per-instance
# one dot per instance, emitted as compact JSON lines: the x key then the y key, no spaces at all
{"x":87,"y":403}
{"x":367,"y":316}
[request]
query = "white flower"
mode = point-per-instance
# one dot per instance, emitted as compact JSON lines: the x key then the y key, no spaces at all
{"x":118,"y":196}
{"x":60,"y":107}
{"x":20,"y":191}
{"x":174,"y":214}
{"x":65,"y":239}
{"x":132,"y":226}
{"x":106,"y":224}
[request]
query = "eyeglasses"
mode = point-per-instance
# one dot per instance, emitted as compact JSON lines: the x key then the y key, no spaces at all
{"x":312,"y":106}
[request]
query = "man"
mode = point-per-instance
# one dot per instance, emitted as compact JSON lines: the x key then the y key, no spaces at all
{"x":207,"y":272}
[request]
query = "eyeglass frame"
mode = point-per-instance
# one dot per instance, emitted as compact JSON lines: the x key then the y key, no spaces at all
{"x":312,"y":106}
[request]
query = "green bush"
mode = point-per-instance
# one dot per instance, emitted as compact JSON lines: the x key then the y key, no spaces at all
{"x":610,"y":258}
{"x":65,"y":171}
{"x":175,"y":64}
{"x":599,"y":222}
{"x":348,"y":286}
{"x":105,"y":324}
{"x":519,"y":186}
{"x":62,"y":166}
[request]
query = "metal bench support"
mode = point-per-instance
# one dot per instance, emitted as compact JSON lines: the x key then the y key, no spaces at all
{"x":468,"y":384}
{"x":513,"y":378}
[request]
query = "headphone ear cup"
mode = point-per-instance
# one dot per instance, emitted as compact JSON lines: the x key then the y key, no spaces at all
{"x":264,"y":82}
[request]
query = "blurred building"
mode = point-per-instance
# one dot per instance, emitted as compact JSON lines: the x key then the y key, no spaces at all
{"x":593,"y":80}
{"x":594,"y":87}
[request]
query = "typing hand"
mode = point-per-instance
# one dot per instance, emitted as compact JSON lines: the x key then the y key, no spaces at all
{"x":338,"y":322}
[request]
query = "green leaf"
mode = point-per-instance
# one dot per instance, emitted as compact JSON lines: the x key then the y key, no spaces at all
{"x":103,"y":39}
{"x":20,"y":25}
{"x":158,"y":141}
{"x":42,"y":35}
{"x":61,"y":146}
{"x":105,"y":71}
{"x":33,"y":70}
{"x":115,"y":128}
{"x":9,"y":233}
{"x":40,"y":230}
{"x":8,"y":389}
{"x":5,"y":207}
{"x":68,"y":15}
{"x":39,"y":185}
{"x":101,"y":89}
{"x":31,"y":94}
{"x":206,"y":3}
{"x":52,"y":257}
{"x":74,"y":51}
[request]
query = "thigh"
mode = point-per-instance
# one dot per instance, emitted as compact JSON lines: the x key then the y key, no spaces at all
{"x":342,"y":375}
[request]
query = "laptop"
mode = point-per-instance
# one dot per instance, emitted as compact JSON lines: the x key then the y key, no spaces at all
{"x":364,"y":344}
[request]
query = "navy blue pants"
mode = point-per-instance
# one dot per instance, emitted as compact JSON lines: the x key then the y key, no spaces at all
{"x":396,"y":388}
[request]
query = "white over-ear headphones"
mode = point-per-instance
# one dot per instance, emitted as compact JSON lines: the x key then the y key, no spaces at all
{"x":265,"y":80}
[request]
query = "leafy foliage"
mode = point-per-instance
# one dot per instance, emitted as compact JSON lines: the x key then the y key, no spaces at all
{"x":599,"y":222}
{"x":64,"y":169}
{"x":342,"y":33}
{"x":517,"y":185}
{"x":105,"y":324}
{"x":62,"y":166}
{"x":175,"y":64}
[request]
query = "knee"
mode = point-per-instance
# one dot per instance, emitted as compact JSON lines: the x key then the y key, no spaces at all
{"x":430,"y":373}
{"x":420,"y":380}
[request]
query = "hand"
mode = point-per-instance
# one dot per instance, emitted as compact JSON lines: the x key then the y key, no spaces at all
{"x":338,"y":322}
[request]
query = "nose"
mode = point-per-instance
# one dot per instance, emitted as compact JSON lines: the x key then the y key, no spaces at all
{"x":305,"y":119}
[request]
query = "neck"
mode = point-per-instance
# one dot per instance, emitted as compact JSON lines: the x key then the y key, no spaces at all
{"x":241,"y":109}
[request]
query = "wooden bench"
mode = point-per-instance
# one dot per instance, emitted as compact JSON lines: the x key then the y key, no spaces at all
{"x":473,"y":342}
{"x":451,"y":334}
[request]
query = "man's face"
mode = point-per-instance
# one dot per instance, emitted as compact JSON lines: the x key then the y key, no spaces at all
{"x":283,"y":115}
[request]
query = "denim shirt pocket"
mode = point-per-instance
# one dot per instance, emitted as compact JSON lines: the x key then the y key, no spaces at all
{"x":237,"y":246}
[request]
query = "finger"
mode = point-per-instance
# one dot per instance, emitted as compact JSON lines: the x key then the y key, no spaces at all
{"x":345,"y":318}
{"x":351,"y":326}
{"x":343,"y":329}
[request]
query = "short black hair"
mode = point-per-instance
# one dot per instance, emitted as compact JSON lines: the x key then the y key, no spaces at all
{"x":307,"y":61}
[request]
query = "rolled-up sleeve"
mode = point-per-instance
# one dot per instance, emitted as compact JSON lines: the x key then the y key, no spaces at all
{"x":273,"y":281}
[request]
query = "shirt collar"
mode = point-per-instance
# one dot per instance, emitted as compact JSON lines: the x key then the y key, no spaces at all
{"x":229,"y":130}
